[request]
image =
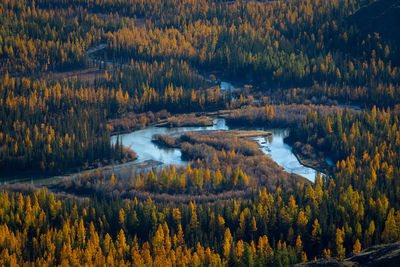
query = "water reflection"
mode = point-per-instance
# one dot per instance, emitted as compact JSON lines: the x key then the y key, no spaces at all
{"x":273,"y":146}
{"x":141,"y":143}
{"x":282,"y":153}
{"x":226,"y":86}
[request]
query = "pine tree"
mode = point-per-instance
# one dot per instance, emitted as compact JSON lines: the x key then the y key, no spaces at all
{"x":357,"y":247}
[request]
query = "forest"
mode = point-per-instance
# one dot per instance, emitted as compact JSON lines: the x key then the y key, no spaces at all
{"x":77,"y":76}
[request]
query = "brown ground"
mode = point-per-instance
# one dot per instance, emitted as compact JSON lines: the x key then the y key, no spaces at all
{"x":247,"y":134}
{"x":187,"y":120}
{"x":379,"y":255}
{"x":139,"y":23}
{"x":85,"y":75}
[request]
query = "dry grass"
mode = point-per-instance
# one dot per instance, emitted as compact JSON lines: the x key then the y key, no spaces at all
{"x":140,"y":22}
{"x":188,"y":120}
{"x":247,"y":134}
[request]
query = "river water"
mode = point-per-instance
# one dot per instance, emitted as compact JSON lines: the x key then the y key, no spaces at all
{"x":282,"y":154}
{"x":140,"y":142}
{"x":273,"y":146}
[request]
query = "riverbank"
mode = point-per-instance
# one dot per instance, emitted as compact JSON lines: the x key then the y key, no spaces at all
{"x":318,"y":165}
{"x":151,"y":155}
{"x":172,"y":155}
{"x":128,"y":155}
{"x":233,"y":149}
{"x":174,"y":140}
{"x":187,"y":120}
{"x":208,"y":166}
{"x":130,"y":122}
{"x":309,"y":156}
{"x":115,"y":168}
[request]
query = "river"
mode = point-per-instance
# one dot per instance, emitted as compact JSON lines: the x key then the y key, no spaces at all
{"x":273,"y":146}
{"x":146,"y":150}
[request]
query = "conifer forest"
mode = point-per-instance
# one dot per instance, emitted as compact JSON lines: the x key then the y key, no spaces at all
{"x":199,"y":132}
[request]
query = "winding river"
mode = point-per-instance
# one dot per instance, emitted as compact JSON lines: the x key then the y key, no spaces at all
{"x":146,"y":150}
{"x":140,"y":141}
{"x":273,"y":146}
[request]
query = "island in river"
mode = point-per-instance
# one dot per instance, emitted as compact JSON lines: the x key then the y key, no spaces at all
{"x":272,"y":144}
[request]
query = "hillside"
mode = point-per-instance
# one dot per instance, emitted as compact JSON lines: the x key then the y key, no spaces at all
{"x":199,"y":132}
{"x":382,"y":17}
{"x":381,"y":255}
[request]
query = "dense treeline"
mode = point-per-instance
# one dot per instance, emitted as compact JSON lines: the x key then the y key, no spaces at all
{"x":248,"y":211}
{"x":56,"y":126}
{"x":367,"y":145}
{"x":171,"y":85}
{"x":228,"y":152}
{"x":34,"y":40}
{"x":378,"y":93}
{"x":356,"y":207}
{"x":275,"y":115}
{"x":274,"y":43}
{"x":219,"y":165}
{"x":53,"y":128}
{"x":168,"y":181}
{"x":112,"y":233}
{"x":277,"y":42}
{"x":280,"y":228}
